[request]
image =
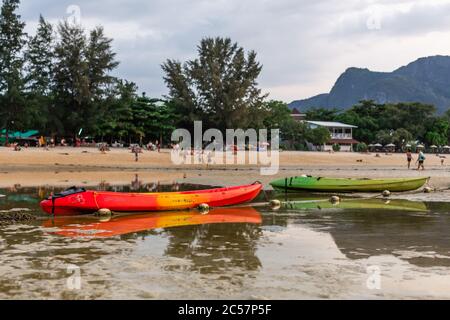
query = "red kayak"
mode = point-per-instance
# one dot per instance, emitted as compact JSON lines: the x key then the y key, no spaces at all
{"x":79,"y":201}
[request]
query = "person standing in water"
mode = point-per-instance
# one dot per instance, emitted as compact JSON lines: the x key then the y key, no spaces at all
{"x":421,"y":160}
{"x":409,"y":158}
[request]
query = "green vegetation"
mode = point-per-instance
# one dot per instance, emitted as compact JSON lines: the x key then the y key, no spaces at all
{"x":318,"y":136}
{"x":361,"y":147}
{"x":398,"y":123}
{"x":336,"y":147}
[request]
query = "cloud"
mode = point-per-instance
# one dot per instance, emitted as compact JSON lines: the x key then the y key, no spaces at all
{"x":303,"y":44}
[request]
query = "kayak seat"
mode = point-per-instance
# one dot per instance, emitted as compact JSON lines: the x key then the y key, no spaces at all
{"x":68,"y":192}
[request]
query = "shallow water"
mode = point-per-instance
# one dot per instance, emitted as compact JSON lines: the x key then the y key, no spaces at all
{"x":306,"y":249}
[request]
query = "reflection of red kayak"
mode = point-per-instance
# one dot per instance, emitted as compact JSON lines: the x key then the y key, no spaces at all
{"x":92,"y":227}
{"x":80,"y":201}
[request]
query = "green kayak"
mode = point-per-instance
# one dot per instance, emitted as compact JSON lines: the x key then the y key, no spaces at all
{"x":347,"y":184}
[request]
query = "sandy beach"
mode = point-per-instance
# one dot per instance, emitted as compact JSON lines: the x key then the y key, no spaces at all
{"x":64,"y":166}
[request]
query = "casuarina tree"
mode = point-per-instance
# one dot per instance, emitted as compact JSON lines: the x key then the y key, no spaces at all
{"x":12,"y":41}
{"x":39,"y":59}
{"x":83,"y":82}
{"x":219,"y":86}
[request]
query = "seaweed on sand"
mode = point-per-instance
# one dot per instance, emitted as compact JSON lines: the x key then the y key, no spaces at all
{"x":13,"y":217}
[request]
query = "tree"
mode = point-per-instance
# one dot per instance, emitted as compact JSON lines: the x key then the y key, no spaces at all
{"x":361,"y":147}
{"x":437,"y":134}
{"x":101,"y":61}
{"x":432,"y":137}
{"x":336,"y":147}
{"x":277,"y":115}
{"x":321,"y":114}
{"x":401,"y":136}
{"x":71,"y":79}
{"x":294,"y":133}
{"x":181,"y":96}
{"x":384,"y":137}
{"x":318,"y":136}
{"x":39,"y":57}
{"x":84,"y":87}
{"x":365,"y":116}
{"x":414,"y":117}
{"x":153,"y":118}
{"x":118,"y":121}
{"x":12,"y":41}
{"x":219,"y":87}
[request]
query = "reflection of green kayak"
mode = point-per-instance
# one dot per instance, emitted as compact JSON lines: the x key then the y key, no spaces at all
{"x":372,"y":204}
{"x":347,"y":184}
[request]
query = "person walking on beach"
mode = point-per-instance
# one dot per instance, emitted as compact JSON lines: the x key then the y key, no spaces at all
{"x":421,"y":160}
{"x":409,"y":158}
{"x":136,"y":153}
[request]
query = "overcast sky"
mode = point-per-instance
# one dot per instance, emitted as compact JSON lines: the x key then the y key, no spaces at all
{"x":304,"y":45}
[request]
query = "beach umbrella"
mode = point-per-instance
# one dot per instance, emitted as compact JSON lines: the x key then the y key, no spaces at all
{"x":408,"y":145}
{"x":420,"y":146}
{"x":371,"y":145}
{"x":433,"y":146}
{"x":446,"y":147}
{"x":390,"y":145}
{"x":377,"y":145}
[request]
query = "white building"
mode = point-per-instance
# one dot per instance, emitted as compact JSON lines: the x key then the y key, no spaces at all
{"x":341,"y":134}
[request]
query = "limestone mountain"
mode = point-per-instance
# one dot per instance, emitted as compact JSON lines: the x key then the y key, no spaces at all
{"x":426,"y":80}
